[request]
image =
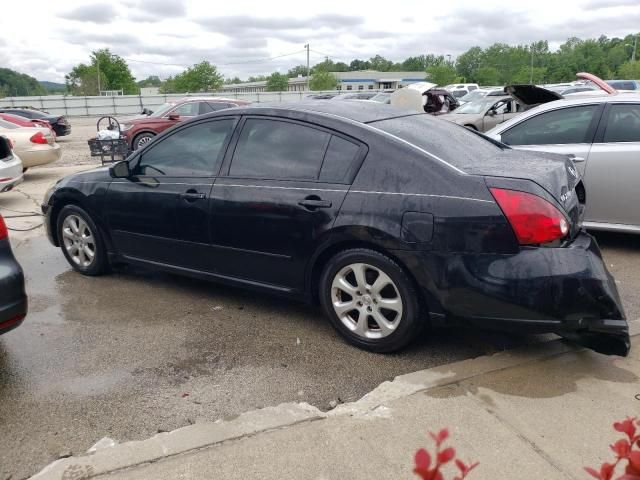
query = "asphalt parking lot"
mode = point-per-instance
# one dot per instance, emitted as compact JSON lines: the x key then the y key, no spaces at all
{"x":137,"y":352}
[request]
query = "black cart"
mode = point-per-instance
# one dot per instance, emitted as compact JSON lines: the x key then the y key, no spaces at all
{"x":110,"y":149}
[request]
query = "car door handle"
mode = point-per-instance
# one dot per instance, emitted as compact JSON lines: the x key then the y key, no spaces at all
{"x":313,"y":203}
{"x":192,"y":196}
{"x":577,"y":159}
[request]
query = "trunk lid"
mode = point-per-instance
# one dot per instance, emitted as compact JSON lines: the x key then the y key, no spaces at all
{"x":555,"y":174}
{"x":531,"y":95}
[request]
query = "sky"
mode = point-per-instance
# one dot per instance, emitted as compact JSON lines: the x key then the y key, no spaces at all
{"x":46,"y":39}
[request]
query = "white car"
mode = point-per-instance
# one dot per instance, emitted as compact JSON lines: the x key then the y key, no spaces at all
{"x":459,"y":90}
{"x":602,"y":134}
{"x":35,"y":146}
{"x":10,"y":166}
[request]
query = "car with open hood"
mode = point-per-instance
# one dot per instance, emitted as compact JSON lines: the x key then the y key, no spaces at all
{"x":351,"y":206}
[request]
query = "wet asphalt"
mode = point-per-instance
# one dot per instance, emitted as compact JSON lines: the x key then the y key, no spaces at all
{"x":138,"y":352}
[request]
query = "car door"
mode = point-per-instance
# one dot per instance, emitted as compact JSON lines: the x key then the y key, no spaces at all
{"x":490,"y":119}
{"x":566,"y":130}
{"x":160,"y":213}
{"x":613,"y":167}
{"x":282,"y":187}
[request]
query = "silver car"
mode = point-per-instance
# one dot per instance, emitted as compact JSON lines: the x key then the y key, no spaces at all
{"x":485,"y":113}
{"x":603,"y":135}
{"x":10,"y":166}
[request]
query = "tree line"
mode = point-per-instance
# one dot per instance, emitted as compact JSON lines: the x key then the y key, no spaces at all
{"x":497,"y":64}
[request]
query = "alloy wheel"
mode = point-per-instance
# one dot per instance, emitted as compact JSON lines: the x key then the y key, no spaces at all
{"x":79,"y":241}
{"x":366,"y":300}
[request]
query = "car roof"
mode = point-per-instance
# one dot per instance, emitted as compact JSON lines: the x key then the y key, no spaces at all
{"x":360,"y":111}
{"x":208,"y":99}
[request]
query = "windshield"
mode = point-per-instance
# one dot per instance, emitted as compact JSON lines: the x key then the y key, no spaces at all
{"x":479,"y":106}
{"x":475,"y":95}
{"x":381,"y":98}
{"x":164,"y":108}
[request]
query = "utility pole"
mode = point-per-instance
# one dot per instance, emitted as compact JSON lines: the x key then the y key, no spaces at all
{"x":308,"y":71}
{"x":635,"y":46}
{"x":531,"y":75}
{"x":98,"y":64}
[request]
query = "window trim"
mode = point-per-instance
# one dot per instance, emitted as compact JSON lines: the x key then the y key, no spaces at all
{"x":591,"y":130}
{"x":349,"y":176}
{"x":602,"y":127}
{"x":134,"y":162}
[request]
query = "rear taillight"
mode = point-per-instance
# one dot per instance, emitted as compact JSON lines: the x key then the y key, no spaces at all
{"x":4,"y":233}
{"x":533,"y":219}
{"x":38,"y":138}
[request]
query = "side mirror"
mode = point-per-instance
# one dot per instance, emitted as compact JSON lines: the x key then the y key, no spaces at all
{"x":174,"y":116}
{"x":120,"y":170}
{"x":492,"y":112}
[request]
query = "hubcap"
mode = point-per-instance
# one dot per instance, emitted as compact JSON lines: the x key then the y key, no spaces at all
{"x":143,"y":141}
{"x":366,"y":301}
{"x":78,"y":241}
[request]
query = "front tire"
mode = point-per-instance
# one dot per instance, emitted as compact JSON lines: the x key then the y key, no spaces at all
{"x":370,"y":300}
{"x":142,"y":139}
{"x":81,"y":241}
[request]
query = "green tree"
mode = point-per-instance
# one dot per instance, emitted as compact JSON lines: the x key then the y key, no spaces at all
{"x":201,"y":77}
{"x":297,"y":70}
{"x":150,"y":81}
{"x":630,"y":70}
{"x":277,"y":82}
{"x":232,"y":81}
{"x":468,"y":64}
{"x":258,"y":78}
{"x":359,"y":65}
{"x":323,"y":80}
{"x":112,"y":69}
{"x":487,"y":76}
{"x":525,"y":73}
{"x":17,"y":84}
{"x":341,"y":67}
{"x":442,"y":75}
{"x":380,"y":64}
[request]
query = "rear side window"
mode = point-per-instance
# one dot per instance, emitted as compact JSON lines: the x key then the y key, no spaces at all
{"x":279,"y":150}
{"x":623,"y":124}
{"x":557,"y":127}
{"x":215,"y":106}
{"x":338,"y":160}
{"x":452,"y":143}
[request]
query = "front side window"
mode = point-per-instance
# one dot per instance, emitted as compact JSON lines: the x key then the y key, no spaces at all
{"x":194,"y":151}
{"x":556,"y":127}
{"x":623,"y":124}
{"x":278,"y":150}
{"x":187,"y":109}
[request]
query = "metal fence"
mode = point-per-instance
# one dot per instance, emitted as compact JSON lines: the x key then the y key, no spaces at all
{"x":133,"y":104}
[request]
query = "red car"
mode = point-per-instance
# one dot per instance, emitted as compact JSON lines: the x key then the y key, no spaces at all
{"x":26,"y":122}
{"x":140,"y":131}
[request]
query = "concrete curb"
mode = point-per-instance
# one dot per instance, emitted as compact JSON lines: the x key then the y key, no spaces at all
{"x":199,"y":436}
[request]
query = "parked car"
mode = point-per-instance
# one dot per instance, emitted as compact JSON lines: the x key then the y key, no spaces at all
{"x":484,"y":114}
{"x":59,"y":123}
{"x":624,"y":84}
{"x":459,"y":90}
{"x":13,"y":298}
{"x":603,"y":135}
{"x":34,"y":145}
{"x":430,"y":99}
{"x":10,"y":166}
{"x":363,"y":95}
{"x":25,"y":122}
{"x":351,"y":205}
{"x":140,"y":131}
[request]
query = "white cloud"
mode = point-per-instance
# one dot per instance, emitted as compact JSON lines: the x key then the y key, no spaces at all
{"x":44,"y":39}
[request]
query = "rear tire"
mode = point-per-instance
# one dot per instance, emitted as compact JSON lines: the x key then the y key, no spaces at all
{"x":141,"y":140}
{"x":81,"y":241}
{"x":370,"y":300}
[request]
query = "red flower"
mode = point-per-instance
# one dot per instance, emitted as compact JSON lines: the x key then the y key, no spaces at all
{"x":605,"y":473}
{"x":634,"y":463}
{"x":621,"y":448}
{"x":464,"y":469}
{"x":627,"y":427}
{"x":423,"y":461}
{"x":446,"y":455}
{"x":440,"y":437}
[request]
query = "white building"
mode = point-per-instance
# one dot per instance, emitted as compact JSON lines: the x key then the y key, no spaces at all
{"x":358,"y":80}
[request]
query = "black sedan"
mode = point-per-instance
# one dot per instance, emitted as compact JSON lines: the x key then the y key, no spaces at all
{"x":13,"y":299}
{"x":392,"y":221}
{"x":59,"y":123}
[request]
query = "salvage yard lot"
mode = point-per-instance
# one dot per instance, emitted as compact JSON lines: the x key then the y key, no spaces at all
{"x":138,"y":352}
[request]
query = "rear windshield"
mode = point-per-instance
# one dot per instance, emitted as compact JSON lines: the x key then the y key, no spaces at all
{"x":453,"y":143}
